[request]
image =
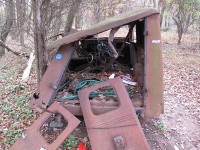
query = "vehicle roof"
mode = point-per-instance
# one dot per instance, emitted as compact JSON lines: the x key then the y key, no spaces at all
{"x":102,"y":26}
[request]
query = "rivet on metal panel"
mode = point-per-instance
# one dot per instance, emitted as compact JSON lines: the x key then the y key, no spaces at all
{"x":119,"y":143}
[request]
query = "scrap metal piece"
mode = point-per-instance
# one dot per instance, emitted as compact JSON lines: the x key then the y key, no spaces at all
{"x":76,"y":109}
{"x":33,"y":140}
{"x":51,"y":80}
{"x":110,"y":40}
{"x":98,"y":107}
{"x":153,"y":69}
{"x":122,"y":121}
{"x":110,"y":23}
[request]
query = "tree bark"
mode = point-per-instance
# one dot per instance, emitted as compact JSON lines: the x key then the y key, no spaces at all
{"x":58,"y":21}
{"x":9,"y":9}
{"x":71,"y":15}
{"x":199,"y":31}
{"x":180,"y":33}
{"x":39,"y":38}
{"x":21,"y":14}
{"x":180,"y":28}
{"x":78,"y":20}
{"x":97,"y":11}
{"x":22,"y":17}
{"x":162,"y":7}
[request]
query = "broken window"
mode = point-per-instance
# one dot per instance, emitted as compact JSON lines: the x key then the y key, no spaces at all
{"x":104,"y":97}
{"x":53,"y":127}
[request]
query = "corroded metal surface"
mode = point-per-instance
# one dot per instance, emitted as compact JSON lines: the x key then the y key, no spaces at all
{"x":76,"y":109}
{"x":52,"y":78}
{"x":33,"y":140}
{"x":153,"y":68}
{"x":97,"y":107}
{"x":107,"y":24}
{"x":110,"y":125}
{"x":104,"y":128}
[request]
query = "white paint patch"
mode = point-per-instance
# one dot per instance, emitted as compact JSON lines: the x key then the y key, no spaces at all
{"x":156,"y":41}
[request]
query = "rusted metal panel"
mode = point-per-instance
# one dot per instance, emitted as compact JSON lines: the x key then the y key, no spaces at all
{"x":107,"y":24}
{"x":52,"y":78}
{"x":76,"y":109}
{"x":153,"y":68}
{"x":121,"y":123}
{"x":33,"y":140}
{"x":98,"y":107}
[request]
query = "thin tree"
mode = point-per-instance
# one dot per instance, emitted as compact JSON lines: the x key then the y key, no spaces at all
{"x":71,"y":14}
{"x":9,"y":10}
{"x":180,"y":10}
{"x":39,"y":36}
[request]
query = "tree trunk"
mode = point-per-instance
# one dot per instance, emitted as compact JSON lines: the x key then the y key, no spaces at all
{"x":179,"y":29}
{"x":165,"y":25}
{"x":39,"y":38}
{"x":199,"y":31}
{"x":187,"y":23}
{"x":9,"y":9}
{"x":20,"y":14}
{"x":155,"y":4}
{"x":14,"y":24}
{"x":71,"y":15}
{"x":162,"y":7}
{"x":180,"y":33}
{"x":78,"y":20}
{"x":97,"y":11}
{"x":29,"y":19}
{"x":58,"y":20}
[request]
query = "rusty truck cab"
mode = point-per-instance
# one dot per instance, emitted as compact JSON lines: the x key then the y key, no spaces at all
{"x":77,"y":74}
{"x":137,"y":53}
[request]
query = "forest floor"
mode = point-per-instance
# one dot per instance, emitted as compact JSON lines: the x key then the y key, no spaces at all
{"x":177,"y":128}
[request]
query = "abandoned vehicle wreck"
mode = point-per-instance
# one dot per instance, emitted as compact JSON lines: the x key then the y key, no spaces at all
{"x":107,"y":79}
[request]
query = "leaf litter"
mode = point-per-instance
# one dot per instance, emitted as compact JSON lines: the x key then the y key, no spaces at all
{"x":177,"y":128}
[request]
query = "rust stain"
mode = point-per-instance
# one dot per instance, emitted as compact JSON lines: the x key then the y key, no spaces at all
{"x":52,"y":79}
{"x":122,"y":121}
{"x":153,"y":68}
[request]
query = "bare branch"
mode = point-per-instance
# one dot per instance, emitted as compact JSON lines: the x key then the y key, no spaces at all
{"x":12,"y":51}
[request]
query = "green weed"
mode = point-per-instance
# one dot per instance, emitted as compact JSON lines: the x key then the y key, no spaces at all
{"x":71,"y":142}
{"x":161,"y":127}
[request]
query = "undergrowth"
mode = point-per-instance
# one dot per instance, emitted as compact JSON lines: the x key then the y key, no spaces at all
{"x":16,"y":115}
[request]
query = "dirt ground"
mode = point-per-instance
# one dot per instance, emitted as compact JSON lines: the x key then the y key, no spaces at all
{"x":178,"y":128}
